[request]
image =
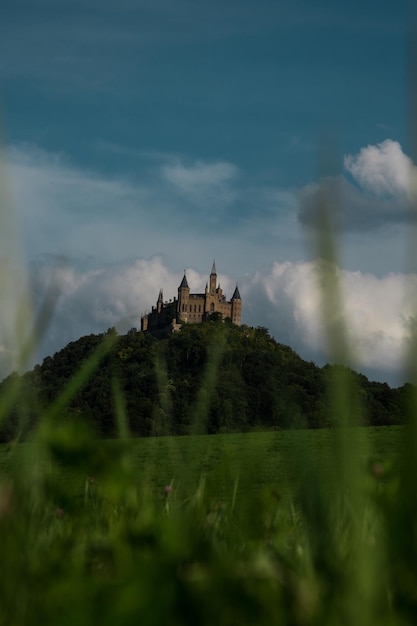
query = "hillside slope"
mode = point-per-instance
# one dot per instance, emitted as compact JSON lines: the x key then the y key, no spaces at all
{"x":210,"y":377}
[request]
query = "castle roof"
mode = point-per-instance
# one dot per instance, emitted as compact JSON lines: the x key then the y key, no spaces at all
{"x":236,"y":294}
{"x":184,"y":282}
{"x":161,"y":296}
{"x":213,"y":269}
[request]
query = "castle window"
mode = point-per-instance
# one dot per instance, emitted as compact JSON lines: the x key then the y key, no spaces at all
{"x":195,"y":308}
{"x":191,"y":307}
{"x":183,"y":307}
{"x":199,"y":308}
{"x":212,"y":307}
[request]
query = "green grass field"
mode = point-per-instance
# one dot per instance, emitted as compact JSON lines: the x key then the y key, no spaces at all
{"x":292,"y":527}
{"x":258,"y":460}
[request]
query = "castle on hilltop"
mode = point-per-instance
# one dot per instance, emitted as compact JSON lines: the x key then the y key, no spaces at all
{"x":193,"y":308}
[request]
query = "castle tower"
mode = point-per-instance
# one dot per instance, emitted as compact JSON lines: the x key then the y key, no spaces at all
{"x":213,"y":279}
{"x":144,"y":322}
{"x":236,"y":307}
{"x":160,"y":301}
{"x":183,"y":299}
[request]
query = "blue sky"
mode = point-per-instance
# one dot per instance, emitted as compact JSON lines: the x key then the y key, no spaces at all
{"x":144,"y":137}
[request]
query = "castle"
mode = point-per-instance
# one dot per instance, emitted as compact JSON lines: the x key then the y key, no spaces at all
{"x":193,"y":308}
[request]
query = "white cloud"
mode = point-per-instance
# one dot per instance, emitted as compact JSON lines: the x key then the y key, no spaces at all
{"x":284,"y":298}
{"x":63,"y":209}
{"x":199,"y":175}
{"x":116,"y":221}
{"x":385,"y":176}
{"x":114,"y":296}
{"x":383,"y":169}
{"x":43,"y":182}
{"x":348,"y":208}
{"x":202,"y":182}
{"x":169,"y":207}
{"x":57,"y":203}
{"x":92,"y":301}
{"x":377,"y":313}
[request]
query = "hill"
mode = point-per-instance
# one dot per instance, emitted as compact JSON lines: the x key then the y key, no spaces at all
{"x":210,"y":377}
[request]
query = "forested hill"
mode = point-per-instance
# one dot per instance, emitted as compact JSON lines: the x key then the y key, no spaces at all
{"x":210,"y":377}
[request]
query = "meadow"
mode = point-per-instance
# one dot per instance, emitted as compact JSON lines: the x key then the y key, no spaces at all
{"x":258,"y":460}
{"x":291,"y":527}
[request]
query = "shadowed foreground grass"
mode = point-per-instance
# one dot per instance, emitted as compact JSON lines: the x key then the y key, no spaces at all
{"x":254,"y":529}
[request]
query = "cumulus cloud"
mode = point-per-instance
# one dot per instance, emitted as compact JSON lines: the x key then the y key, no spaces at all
{"x":284,"y":297}
{"x":383,"y":175}
{"x":347,"y":207}
{"x":383,"y":169}
{"x":378,"y":313}
{"x":80,"y":213}
{"x":99,"y":298}
{"x":90,"y":301}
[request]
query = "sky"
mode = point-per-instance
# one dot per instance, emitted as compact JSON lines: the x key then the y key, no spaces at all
{"x":144,"y":137}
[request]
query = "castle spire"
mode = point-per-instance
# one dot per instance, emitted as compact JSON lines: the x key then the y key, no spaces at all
{"x":160,"y":301}
{"x":236,"y":294}
{"x":184,"y":282}
{"x":213,"y":278}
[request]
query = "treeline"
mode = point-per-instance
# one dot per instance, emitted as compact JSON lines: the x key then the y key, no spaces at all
{"x":210,"y":377}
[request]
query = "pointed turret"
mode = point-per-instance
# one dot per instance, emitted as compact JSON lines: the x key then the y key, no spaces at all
{"x":236,"y":302}
{"x":183,"y":297}
{"x":160,"y":301}
{"x":213,"y":278}
{"x":184,"y":282}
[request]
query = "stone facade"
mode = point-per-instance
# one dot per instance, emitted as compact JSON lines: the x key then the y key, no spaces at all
{"x":193,"y":308}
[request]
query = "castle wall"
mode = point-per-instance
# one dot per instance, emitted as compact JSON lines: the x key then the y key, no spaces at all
{"x":192,"y":310}
{"x":199,"y":306}
{"x":156,"y":320}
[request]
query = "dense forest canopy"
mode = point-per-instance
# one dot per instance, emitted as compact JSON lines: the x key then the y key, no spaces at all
{"x":211,"y":377}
